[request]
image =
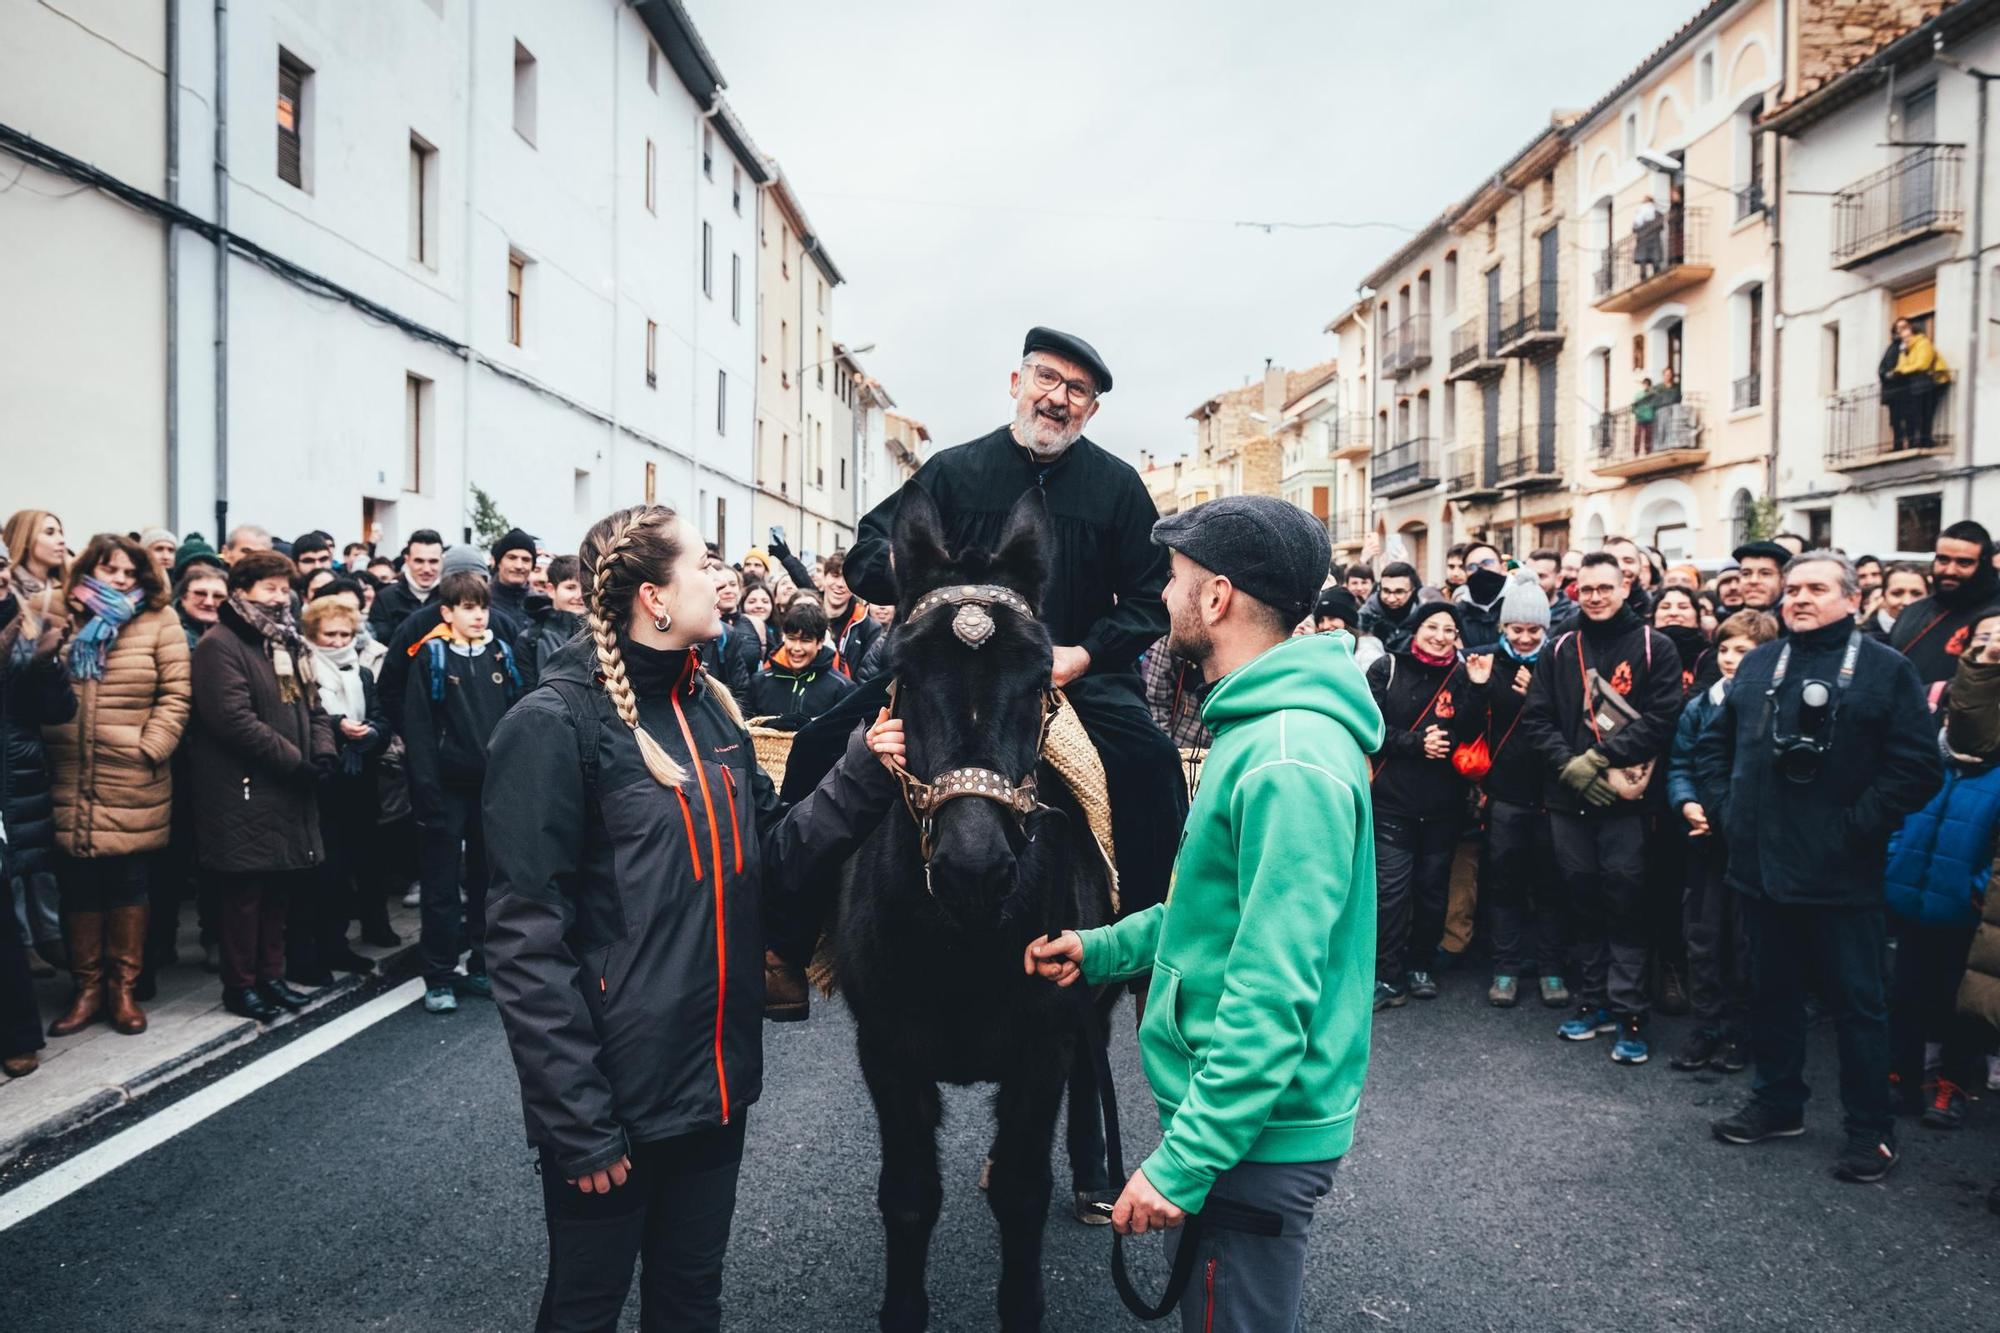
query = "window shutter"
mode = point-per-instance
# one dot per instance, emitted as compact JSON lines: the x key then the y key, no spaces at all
{"x":291,"y":90}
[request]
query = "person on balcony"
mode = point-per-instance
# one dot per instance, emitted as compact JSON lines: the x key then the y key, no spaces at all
{"x":1912,"y":373}
{"x":1646,"y":239}
{"x":1644,"y":409}
{"x":1669,"y":428}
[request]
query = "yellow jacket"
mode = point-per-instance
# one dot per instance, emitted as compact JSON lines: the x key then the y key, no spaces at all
{"x":1921,"y":358}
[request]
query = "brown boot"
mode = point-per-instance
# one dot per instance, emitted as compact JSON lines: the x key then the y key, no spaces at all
{"x":86,"y":967}
{"x":786,"y":997}
{"x":20,"y":1066}
{"x":124,"y":955}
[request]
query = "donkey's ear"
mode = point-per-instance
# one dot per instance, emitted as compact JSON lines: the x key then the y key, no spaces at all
{"x":919,"y":537}
{"x":1023,"y":557}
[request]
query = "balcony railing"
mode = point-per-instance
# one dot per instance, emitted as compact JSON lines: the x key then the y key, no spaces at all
{"x":1350,"y":526}
{"x":1747,"y":393}
{"x":1413,"y":344}
{"x":1528,"y":459}
{"x":1393,"y":362}
{"x":1531,"y":320}
{"x":1667,"y":255}
{"x":1350,"y":436}
{"x":1674,"y":438}
{"x":1472,"y":354}
{"x":1862,"y":430}
{"x":1749,"y":200}
{"x":1403,"y":468}
{"x":1469,"y":473}
{"x":1910,"y":200}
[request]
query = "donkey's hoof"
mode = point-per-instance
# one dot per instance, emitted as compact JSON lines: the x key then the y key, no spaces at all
{"x":1093,"y":1207}
{"x":906,"y":1316}
{"x":986,"y":1173}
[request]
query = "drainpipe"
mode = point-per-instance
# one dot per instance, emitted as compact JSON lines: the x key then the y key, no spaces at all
{"x":469,"y":363}
{"x":173,"y":267}
{"x":1773,"y":206}
{"x":221,"y":272}
{"x":695,"y":296}
{"x":1973,"y":360}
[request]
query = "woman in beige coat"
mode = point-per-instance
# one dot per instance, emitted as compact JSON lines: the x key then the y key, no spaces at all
{"x":127,"y":658}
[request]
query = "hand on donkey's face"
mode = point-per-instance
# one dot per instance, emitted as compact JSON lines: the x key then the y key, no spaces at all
{"x":1059,"y":960}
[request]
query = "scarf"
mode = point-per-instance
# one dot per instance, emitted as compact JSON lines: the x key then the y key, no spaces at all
{"x":1424,"y":657}
{"x":421,"y":595}
{"x":110,"y":611}
{"x":16,"y":644}
{"x":290,"y":657}
{"x":337,"y":673}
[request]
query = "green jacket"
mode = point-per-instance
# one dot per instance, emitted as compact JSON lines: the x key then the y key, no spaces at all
{"x":1255,"y":1039}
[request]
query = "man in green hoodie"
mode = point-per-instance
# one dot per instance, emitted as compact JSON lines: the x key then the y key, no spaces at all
{"x":1255,"y":1035}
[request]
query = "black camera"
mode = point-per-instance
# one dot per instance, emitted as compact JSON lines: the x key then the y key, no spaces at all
{"x":1802,"y":756}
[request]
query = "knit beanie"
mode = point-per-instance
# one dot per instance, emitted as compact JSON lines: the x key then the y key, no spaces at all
{"x":1437,"y":608}
{"x":151,"y":535}
{"x":194,"y":548}
{"x":464,"y":560}
{"x":1524,"y":603}
{"x":513,"y":540}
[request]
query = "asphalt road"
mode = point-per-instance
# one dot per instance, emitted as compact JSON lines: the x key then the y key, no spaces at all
{"x":1500,"y":1179}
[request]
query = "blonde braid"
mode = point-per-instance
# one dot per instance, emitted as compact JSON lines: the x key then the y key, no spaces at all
{"x":611,"y":659}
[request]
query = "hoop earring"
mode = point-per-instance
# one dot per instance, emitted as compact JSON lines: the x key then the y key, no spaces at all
{"x":663,"y":622}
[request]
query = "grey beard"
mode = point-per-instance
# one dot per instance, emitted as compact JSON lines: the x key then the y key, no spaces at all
{"x":1024,"y":435}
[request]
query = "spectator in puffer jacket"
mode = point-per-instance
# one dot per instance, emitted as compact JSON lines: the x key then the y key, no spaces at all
{"x":800,"y":681}
{"x":554,"y":619}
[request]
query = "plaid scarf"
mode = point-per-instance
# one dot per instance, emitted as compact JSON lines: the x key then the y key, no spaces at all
{"x":290,"y":657}
{"x":110,"y":611}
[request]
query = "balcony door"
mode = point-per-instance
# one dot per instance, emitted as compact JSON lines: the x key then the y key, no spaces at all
{"x":1916,"y":202}
{"x":1545,"y":420}
{"x":1492,"y":308}
{"x":1550,"y":270}
{"x":1489,"y":411}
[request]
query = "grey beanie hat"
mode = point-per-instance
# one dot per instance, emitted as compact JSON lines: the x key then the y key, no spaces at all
{"x":464,"y":560}
{"x":1274,"y":551}
{"x":1524,"y":602}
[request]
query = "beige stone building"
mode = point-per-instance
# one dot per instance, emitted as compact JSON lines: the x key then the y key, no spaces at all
{"x":1309,"y":421}
{"x":1351,"y":434}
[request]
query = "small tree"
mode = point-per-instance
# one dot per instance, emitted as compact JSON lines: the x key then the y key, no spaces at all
{"x":489,"y":525}
{"x":1762,"y":522}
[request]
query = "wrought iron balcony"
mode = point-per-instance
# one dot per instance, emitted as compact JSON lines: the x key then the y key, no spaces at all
{"x":1668,"y":255}
{"x":1350,"y":527}
{"x":1747,"y":393}
{"x":1392,"y":358}
{"x":1531,"y":321}
{"x":1413,"y":345}
{"x":1911,"y":200}
{"x":1404,"y":468}
{"x":1350,"y":436}
{"x":1468,"y":475}
{"x":1528,"y":459}
{"x":1674,"y":438}
{"x":1472,"y":354}
{"x":1749,"y":200}
{"x":1863,"y":431}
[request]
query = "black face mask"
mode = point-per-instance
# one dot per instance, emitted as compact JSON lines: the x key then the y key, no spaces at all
{"x":1485,"y":584}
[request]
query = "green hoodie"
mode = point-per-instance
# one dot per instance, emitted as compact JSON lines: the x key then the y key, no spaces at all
{"x":1255,"y":1039}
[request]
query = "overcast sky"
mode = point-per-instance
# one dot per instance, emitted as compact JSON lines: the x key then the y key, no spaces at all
{"x":978,"y":168}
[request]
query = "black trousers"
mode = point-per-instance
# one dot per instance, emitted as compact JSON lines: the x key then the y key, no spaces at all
{"x":1523,"y":893}
{"x":1412,"y":883}
{"x":1142,"y":769}
{"x":1668,"y":848}
{"x":1923,"y":1005}
{"x":100,"y":883}
{"x":20,"y":1020}
{"x":671,"y":1216}
{"x":1603,"y":863}
{"x":1841,"y":949}
{"x":1718,"y":942}
{"x":454,"y":886}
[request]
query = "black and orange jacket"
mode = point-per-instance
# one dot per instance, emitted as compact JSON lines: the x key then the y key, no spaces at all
{"x":1414,"y":697}
{"x":1641,"y":664}
{"x":625,"y":923}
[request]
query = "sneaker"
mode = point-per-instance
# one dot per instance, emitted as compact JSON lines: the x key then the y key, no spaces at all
{"x":1732,"y":1057}
{"x":1554,"y":994}
{"x":1865,"y":1159}
{"x":1586,"y":1023}
{"x":1946,"y":1109}
{"x":1631,"y":1047}
{"x":415,"y":897}
{"x":1388,"y":995}
{"x":1673,"y":1000}
{"x":474,"y":983}
{"x":1700,"y":1049}
{"x":1503,"y":993}
{"x":440,"y":1000}
{"x":1422,"y":986}
{"x":1758,"y":1121}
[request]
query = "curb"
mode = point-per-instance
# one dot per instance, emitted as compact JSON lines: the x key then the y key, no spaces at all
{"x":157,"y":1076}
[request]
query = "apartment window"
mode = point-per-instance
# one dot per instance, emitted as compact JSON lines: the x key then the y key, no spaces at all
{"x":707,"y":261}
{"x":517,"y":285}
{"x":1819,"y":529}
{"x":579,"y":492}
{"x":784,"y":461}
{"x":736,"y":288}
{"x":819,"y":356}
{"x":1829,"y":359}
{"x":652,"y":482}
{"x":1638,"y":351}
{"x":293,"y":77}
{"x":651,"y":159}
{"x":822,"y":298}
{"x":1548,"y":191}
{"x":708,"y":152}
{"x":722,"y":402}
{"x":423,"y":201}
{"x":1918,"y":519}
{"x":652,"y":80}
{"x":784,"y":354}
{"x":736,"y":189}
{"x":722,"y":521}
{"x":1493,"y":232}
{"x":417,"y":429}
{"x":1630,"y":131}
{"x":843,"y":474}
{"x":1753,"y":314}
{"x":819,"y":454}
{"x":1704,"y":78}
{"x":1450,"y":281}
{"x":784,"y":251}
{"x":652,"y":352}
{"x":524,"y":92}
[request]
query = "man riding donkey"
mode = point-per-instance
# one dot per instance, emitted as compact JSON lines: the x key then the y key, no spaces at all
{"x":1102,"y":608}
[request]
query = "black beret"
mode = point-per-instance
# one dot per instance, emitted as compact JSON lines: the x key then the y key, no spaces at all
{"x":1762,"y":550}
{"x":1070,"y":348}
{"x":1339,"y":603}
{"x":1274,"y":551}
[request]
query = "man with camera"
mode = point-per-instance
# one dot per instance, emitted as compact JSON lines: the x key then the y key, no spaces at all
{"x":1820,"y":750}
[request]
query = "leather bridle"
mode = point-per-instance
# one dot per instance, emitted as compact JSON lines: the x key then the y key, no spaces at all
{"x":973,"y":626}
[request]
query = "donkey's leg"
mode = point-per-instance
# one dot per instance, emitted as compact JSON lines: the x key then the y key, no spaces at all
{"x":1030,"y":1097}
{"x":1085,"y":1136}
{"x":908,"y":1191}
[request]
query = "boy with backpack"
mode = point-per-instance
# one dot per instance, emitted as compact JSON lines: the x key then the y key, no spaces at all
{"x":463,"y":682}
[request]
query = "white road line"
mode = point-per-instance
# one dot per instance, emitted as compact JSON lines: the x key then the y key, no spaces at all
{"x":58,"y":1183}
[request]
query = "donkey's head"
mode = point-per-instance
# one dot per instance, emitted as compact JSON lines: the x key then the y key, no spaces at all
{"x":973,"y":671}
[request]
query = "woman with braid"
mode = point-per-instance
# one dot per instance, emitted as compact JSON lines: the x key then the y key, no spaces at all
{"x":632,"y":840}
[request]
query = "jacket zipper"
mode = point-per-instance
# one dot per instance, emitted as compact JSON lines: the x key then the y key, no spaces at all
{"x":1208,"y":1289}
{"x":694,"y":846}
{"x":721,"y":924}
{"x":735,"y":828}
